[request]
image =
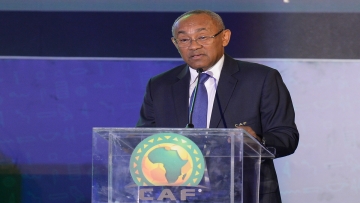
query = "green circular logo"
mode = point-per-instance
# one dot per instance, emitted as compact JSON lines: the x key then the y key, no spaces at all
{"x":167,"y":159}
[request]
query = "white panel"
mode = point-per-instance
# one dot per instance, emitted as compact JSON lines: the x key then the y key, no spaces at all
{"x":326,"y":165}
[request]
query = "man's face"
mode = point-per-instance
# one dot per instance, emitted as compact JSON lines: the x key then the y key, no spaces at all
{"x":197,"y":55}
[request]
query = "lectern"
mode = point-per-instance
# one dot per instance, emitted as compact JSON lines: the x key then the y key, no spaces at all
{"x":175,"y":165}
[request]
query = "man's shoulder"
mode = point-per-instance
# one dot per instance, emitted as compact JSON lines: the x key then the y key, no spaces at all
{"x":251,"y":71}
{"x":253,"y":66}
{"x":247,"y":66}
{"x":171,"y":75}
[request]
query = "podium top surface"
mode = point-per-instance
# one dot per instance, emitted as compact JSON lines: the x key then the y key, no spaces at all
{"x":240,"y":135}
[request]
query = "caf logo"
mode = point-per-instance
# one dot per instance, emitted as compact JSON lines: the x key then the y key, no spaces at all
{"x":167,"y":159}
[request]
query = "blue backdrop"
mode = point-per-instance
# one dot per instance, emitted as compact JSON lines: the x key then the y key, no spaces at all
{"x":47,"y":111}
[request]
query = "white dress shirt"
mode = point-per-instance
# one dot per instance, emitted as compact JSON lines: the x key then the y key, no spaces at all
{"x":210,"y":84}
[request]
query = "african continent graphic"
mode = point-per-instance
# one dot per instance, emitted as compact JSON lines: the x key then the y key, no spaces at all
{"x":167,"y":164}
{"x":167,"y":159}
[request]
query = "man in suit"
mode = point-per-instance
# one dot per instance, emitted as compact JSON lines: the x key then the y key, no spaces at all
{"x":241,"y":94}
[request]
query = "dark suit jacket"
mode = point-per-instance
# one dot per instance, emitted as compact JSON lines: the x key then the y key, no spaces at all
{"x":246,"y":92}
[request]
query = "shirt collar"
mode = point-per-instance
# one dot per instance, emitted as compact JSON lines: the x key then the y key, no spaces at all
{"x":214,"y":71}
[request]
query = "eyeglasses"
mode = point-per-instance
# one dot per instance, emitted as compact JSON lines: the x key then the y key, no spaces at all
{"x":202,"y":40}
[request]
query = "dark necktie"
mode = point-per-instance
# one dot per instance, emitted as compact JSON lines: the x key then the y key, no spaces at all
{"x":201,"y":103}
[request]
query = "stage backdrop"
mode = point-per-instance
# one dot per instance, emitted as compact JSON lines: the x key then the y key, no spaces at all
{"x":49,"y":106}
{"x":183,"y":5}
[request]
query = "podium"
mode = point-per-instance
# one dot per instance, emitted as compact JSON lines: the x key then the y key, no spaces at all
{"x":149,"y":165}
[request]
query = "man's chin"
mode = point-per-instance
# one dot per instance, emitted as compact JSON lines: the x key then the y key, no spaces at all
{"x":197,"y":66}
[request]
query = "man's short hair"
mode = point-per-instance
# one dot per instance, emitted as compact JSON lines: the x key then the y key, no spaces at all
{"x":214,"y":16}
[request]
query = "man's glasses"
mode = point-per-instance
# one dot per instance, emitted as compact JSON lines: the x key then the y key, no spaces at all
{"x":202,"y":40}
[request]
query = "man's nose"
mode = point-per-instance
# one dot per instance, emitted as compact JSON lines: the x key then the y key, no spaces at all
{"x":194,"y":44}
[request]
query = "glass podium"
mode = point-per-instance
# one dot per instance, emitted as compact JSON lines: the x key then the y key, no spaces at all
{"x":149,"y":165}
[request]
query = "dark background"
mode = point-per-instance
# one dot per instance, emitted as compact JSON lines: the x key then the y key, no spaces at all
{"x":147,"y":34}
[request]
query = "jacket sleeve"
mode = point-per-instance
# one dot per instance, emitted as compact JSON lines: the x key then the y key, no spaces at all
{"x":147,"y":113}
{"x":278,"y":116}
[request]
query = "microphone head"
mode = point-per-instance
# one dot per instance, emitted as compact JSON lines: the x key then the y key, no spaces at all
{"x":199,"y":70}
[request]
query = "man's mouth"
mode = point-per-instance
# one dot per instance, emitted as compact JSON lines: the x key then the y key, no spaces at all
{"x":197,"y":56}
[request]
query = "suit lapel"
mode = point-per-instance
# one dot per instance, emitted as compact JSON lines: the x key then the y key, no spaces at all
{"x":180,"y":94}
{"x":224,"y":91}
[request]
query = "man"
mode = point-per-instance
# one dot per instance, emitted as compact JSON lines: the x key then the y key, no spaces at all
{"x":240,"y":94}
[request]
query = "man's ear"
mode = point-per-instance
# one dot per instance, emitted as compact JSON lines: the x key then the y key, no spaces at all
{"x":226,"y":37}
{"x":174,"y":42}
